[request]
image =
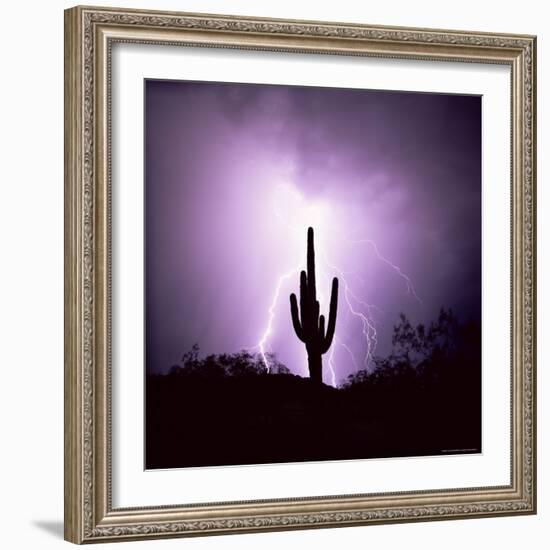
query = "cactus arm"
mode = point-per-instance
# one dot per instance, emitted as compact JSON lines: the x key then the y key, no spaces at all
{"x":331,"y":316}
{"x":295,"y":318}
{"x":322,"y":328}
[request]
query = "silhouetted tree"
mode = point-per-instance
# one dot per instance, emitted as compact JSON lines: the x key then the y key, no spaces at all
{"x":424,"y":353}
{"x":308,"y":325}
{"x":419,"y":344}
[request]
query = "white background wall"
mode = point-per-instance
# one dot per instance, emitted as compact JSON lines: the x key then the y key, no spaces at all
{"x":31,"y":273}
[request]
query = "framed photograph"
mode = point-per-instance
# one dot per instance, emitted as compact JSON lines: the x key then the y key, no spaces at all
{"x":299,"y":274}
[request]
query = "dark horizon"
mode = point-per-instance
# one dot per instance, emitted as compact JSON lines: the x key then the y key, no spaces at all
{"x":391,"y":181}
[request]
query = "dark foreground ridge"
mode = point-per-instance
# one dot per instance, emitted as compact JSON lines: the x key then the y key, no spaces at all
{"x":424,"y":399}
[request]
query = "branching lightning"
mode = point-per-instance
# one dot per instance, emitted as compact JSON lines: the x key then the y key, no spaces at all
{"x":364,"y":316}
{"x":397,"y":269}
{"x":271,"y":316}
{"x":331,"y":364}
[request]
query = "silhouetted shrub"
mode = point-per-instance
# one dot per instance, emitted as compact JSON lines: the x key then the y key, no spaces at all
{"x":223,"y":365}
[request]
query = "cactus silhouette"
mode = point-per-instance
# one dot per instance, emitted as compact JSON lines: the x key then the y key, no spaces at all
{"x":308,"y":324}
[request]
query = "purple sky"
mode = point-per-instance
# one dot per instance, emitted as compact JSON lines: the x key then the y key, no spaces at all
{"x":390,"y":181}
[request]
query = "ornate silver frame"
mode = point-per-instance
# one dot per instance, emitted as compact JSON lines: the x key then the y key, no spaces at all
{"x":89,"y":35}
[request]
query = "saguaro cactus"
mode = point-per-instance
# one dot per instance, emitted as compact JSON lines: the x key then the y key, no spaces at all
{"x":308,"y":324}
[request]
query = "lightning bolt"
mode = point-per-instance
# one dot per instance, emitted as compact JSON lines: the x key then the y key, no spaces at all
{"x":338,"y":342}
{"x":396,"y":268}
{"x":331,"y":365}
{"x":271,"y":316}
{"x":364,"y":316}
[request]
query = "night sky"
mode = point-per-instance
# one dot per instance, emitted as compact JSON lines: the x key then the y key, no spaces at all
{"x":235,"y":173}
